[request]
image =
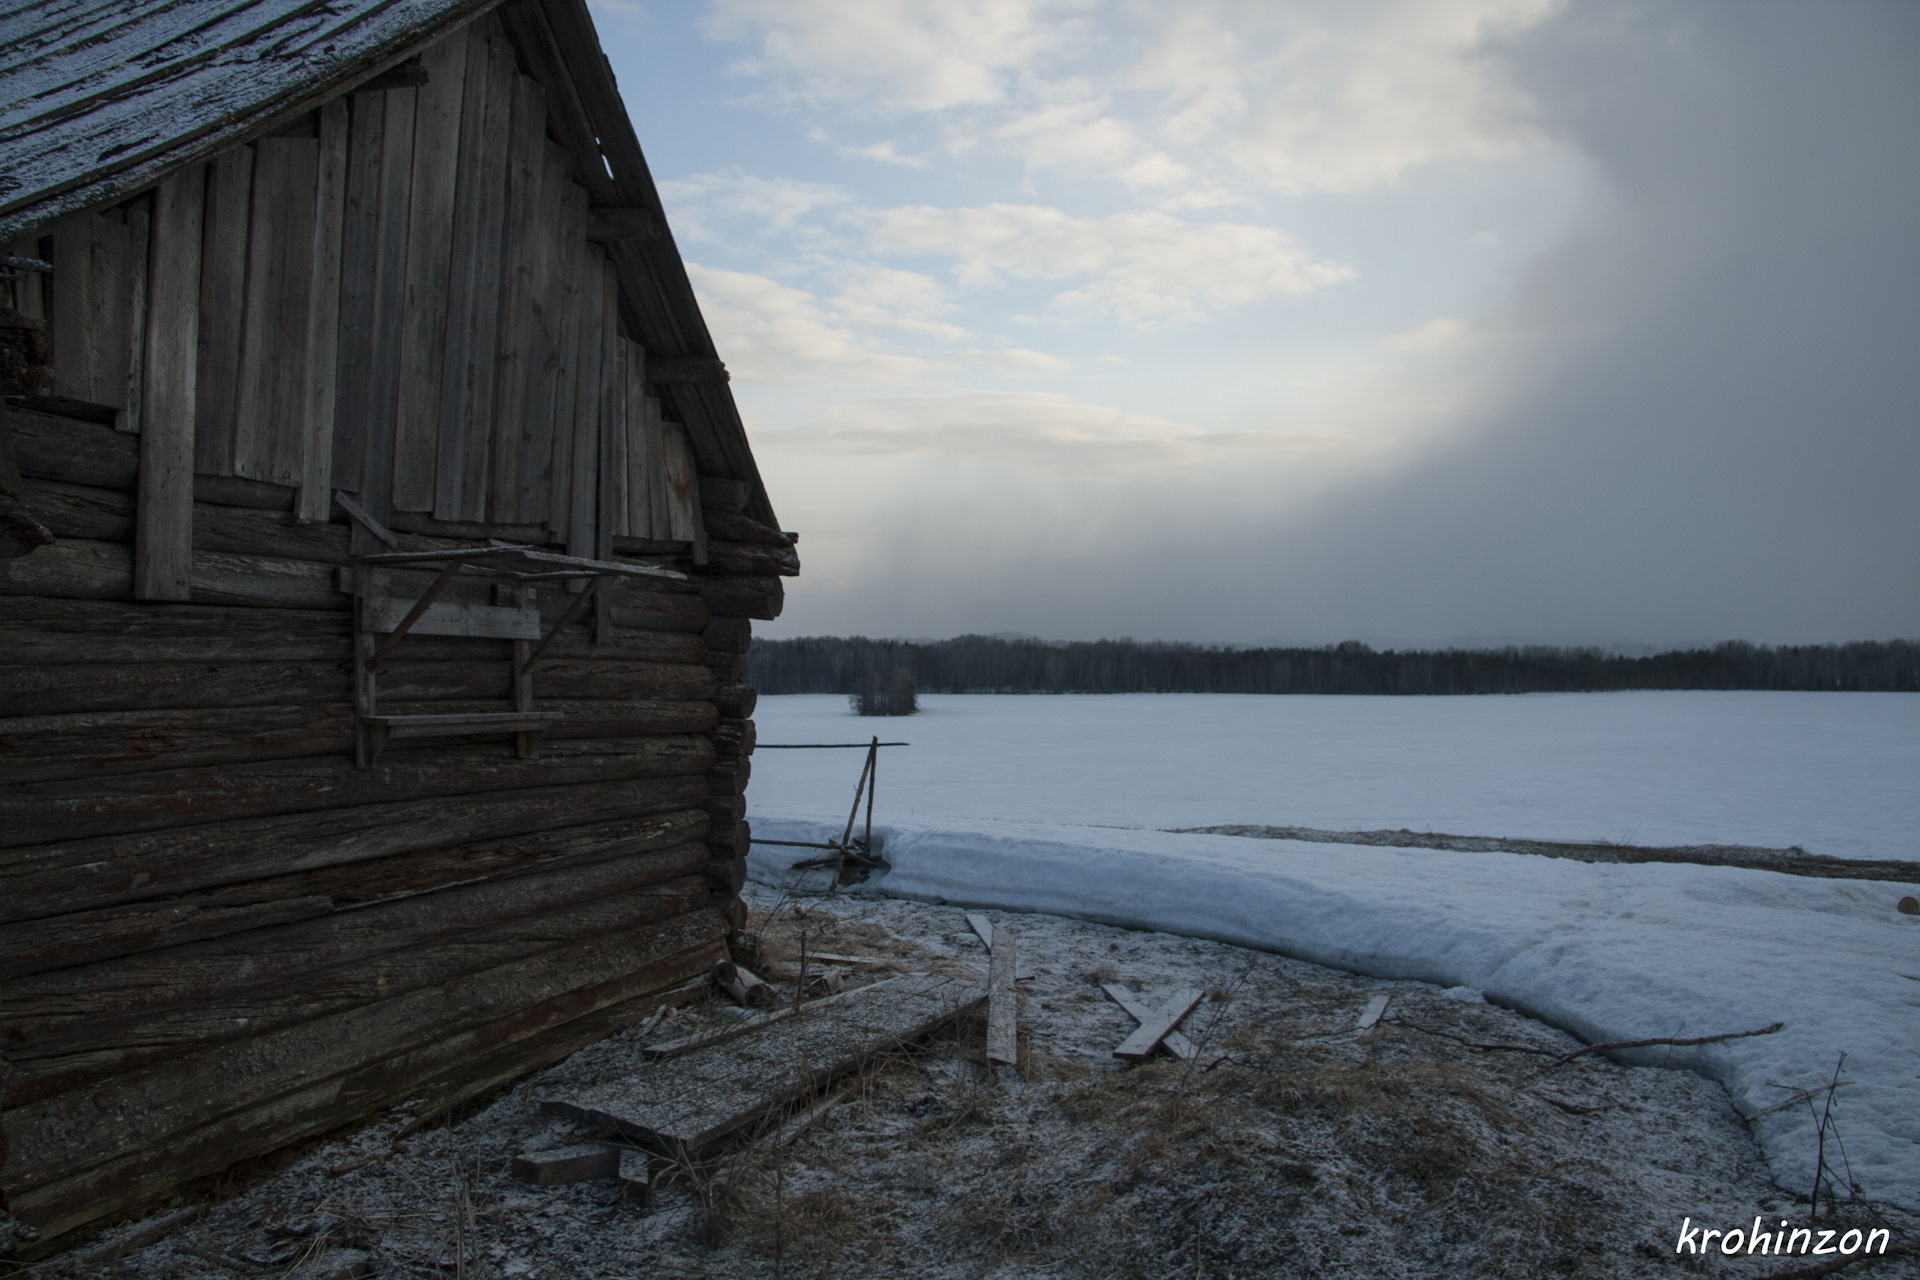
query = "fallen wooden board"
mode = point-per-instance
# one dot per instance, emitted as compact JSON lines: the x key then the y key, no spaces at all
{"x":1176,"y":1044}
{"x":588,"y":1162}
{"x":682,"y":1107}
{"x":984,"y":927}
{"x":1371,"y":1014}
{"x":1154,"y":1029}
{"x":1003,"y":1002}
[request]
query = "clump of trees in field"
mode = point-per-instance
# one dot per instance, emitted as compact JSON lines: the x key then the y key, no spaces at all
{"x":985,"y":664}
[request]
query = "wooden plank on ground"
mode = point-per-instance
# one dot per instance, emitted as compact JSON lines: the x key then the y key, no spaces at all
{"x":269,"y":418}
{"x":1153,"y":1029}
{"x":1003,"y":1000}
{"x":423,"y":319}
{"x":1372,"y":1013}
{"x":1127,"y":999}
{"x":163,"y":533}
{"x":519,"y":261}
{"x":223,"y":294}
{"x":322,"y":339}
{"x":684,"y":1106}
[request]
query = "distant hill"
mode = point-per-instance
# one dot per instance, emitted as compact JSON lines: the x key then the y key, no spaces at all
{"x":993,"y":664}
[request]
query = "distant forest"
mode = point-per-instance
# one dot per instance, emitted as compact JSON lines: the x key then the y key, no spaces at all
{"x":984,"y":664}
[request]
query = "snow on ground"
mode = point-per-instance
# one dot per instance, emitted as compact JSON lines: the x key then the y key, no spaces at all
{"x":1049,"y":805}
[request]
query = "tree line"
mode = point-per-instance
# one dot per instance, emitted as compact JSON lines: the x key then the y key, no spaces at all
{"x":985,"y":664}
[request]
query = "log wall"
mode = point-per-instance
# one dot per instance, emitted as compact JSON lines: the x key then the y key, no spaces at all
{"x":217,"y":935}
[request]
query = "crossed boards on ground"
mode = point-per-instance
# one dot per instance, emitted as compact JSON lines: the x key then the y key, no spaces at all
{"x":1157,"y":1027}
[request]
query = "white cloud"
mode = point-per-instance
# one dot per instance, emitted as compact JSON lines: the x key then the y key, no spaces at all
{"x":893,"y":54}
{"x":1037,"y":429}
{"x":1443,"y":334}
{"x":774,"y":334}
{"x":777,"y":202}
{"x":1082,"y":139}
{"x":1145,"y":268}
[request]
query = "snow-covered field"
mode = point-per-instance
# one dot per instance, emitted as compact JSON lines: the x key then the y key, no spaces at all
{"x":1057,"y":804}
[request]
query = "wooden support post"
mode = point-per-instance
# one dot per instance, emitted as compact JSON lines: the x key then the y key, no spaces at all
{"x":163,"y":515}
{"x":139,"y":243}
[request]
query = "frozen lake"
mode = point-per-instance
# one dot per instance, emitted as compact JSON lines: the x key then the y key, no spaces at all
{"x":1837,"y":774}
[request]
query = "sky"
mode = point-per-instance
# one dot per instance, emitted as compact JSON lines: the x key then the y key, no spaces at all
{"x":1409,"y":321}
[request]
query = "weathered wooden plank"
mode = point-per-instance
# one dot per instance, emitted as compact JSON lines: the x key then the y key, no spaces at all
{"x":139,"y":248}
{"x":616,"y":463}
{"x":322,"y":338}
{"x":100,"y":744}
{"x":1178,"y":1045}
{"x":522,"y":241}
{"x":550,"y":261}
{"x":84,"y":937}
{"x":223,"y":279}
{"x":643,"y":449}
{"x":47,"y":447}
{"x":473,"y":283}
{"x":1152,"y":1030}
{"x":687,"y":1104}
{"x":59,"y":1054}
{"x":88,"y":874}
{"x":564,"y":1166}
{"x":588,"y":381}
{"x":567,"y":379}
{"x":321,"y":1073}
{"x":1003,"y":999}
{"x":390,"y":301}
{"x":684,"y":521}
{"x":423,"y":332}
{"x":269,"y":418}
{"x":492,"y":622}
{"x":92,"y":286}
{"x":163,"y":541}
{"x":39,"y":812}
{"x":81,"y":511}
{"x":359,"y":261}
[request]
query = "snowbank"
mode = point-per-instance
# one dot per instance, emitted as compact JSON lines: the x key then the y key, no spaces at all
{"x":1608,"y":952}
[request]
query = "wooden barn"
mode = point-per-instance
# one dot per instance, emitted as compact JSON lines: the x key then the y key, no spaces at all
{"x":380,"y":542}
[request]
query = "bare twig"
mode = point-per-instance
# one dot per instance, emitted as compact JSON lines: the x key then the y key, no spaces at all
{"x":1611,"y":1045}
{"x":1805,"y":1095}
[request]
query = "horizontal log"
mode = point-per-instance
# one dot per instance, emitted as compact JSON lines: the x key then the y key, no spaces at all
{"x":728,"y":635}
{"x":60,"y":942}
{"x":143,"y":1170}
{"x":47,"y":447}
{"x":104,"y":871}
{"x":81,"y":1128}
{"x":92,"y":570}
{"x":727,"y":668}
{"x":749,"y":559}
{"x":56,"y":1055}
{"x":734,"y":835}
{"x":727,"y":873}
{"x":730,"y":773}
{"x":736,"y":699}
{"x":85,"y":512}
{"x":81,"y":511}
{"x":732,"y":527}
{"x":237,"y":491}
{"x":733,"y":737}
{"x":73,"y":809}
{"x":721,"y":807}
{"x":35,"y":630}
{"x":60,"y":689}
{"x":761,"y":598}
{"x":724,"y":494}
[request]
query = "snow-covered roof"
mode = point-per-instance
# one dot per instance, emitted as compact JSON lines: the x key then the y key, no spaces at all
{"x":99,"y":98}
